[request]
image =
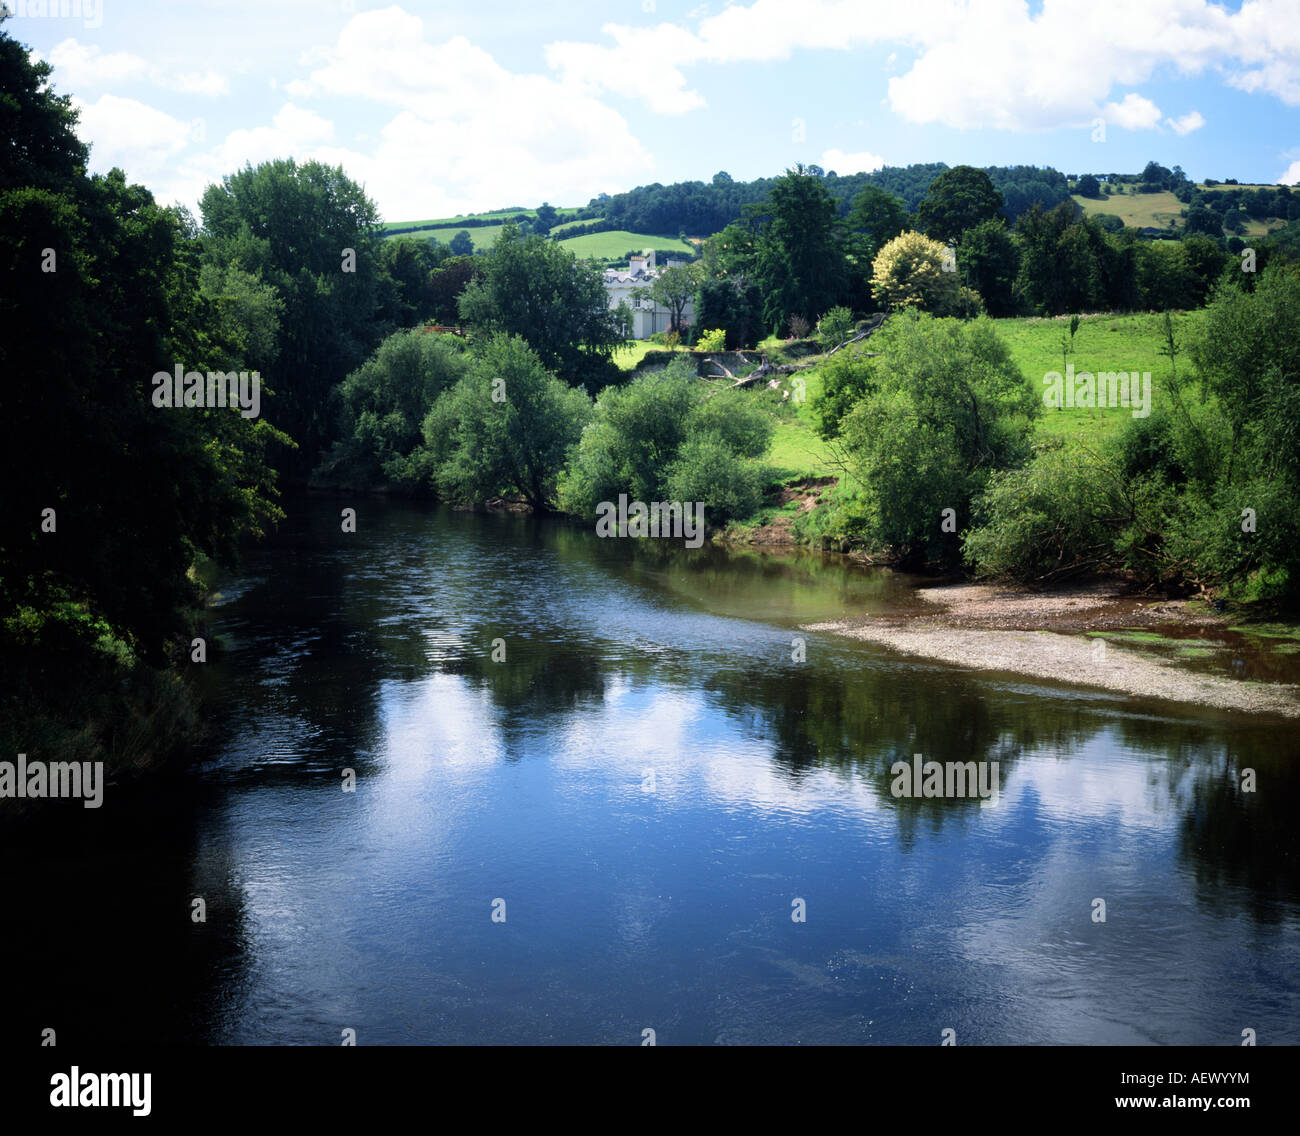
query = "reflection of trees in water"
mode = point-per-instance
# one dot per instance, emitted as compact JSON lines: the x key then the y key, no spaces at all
{"x":539,"y":678}
{"x":861,"y":721}
{"x":345,"y":623}
{"x":1245,"y":847}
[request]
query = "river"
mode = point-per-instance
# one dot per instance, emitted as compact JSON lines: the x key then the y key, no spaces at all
{"x":615,"y":825}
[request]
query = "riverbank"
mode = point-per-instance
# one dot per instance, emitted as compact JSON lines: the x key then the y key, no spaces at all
{"x":1096,"y":636}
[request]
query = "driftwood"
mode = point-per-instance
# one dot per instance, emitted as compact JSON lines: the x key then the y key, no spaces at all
{"x":861,"y":335}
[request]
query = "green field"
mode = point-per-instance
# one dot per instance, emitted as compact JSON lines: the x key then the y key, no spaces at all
{"x":607,"y":246}
{"x":599,"y":246}
{"x":1102,"y":343}
{"x":456,"y":223}
{"x":1139,"y":210}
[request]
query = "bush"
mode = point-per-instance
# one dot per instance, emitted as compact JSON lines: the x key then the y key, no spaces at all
{"x":714,"y":340}
{"x":1055,"y":517}
{"x":798,"y":327}
{"x":834,"y":327}
{"x":707,"y":469}
{"x":668,"y":433}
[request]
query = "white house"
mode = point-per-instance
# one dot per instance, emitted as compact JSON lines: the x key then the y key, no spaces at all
{"x":631,"y":286}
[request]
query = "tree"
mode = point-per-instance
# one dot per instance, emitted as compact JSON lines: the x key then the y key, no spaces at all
{"x":959,"y":199}
{"x":537,"y":289}
{"x":990,"y":260}
{"x":384,"y":403}
{"x":504,"y":429}
{"x":914,"y":271}
{"x":1204,"y":221}
{"x":139,"y":490}
{"x":446,"y":284}
{"x":545,"y":220}
{"x":406,"y":266}
{"x":945,"y":407}
{"x":1089,"y":186}
{"x":667,"y":435}
{"x":462,"y":244}
{"x":799,"y":263}
{"x":733,"y":304}
{"x":673,"y":289}
{"x":874,"y":218}
{"x":293,"y":226}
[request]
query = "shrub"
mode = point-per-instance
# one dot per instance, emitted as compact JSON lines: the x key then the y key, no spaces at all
{"x":714,"y":340}
{"x":834,"y":327}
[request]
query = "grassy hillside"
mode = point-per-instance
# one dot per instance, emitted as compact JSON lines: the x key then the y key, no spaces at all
{"x":1102,"y":343}
{"x":605,"y":246}
{"x":1136,"y":209}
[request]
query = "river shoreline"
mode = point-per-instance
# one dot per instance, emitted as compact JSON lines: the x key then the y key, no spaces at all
{"x":1089,"y":636}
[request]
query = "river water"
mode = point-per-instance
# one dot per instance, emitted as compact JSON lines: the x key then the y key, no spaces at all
{"x":646,"y":788}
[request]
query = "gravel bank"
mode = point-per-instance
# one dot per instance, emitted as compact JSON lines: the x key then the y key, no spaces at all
{"x":1002,"y":629}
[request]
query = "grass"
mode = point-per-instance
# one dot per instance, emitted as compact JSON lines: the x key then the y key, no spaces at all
{"x":607,"y":246}
{"x":459,"y":222}
{"x":1102,"y":343}
{"x":1137,"y":209}
{"x":484,"y":237}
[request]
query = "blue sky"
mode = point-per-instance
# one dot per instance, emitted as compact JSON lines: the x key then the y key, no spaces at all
{"x":442,"y":108}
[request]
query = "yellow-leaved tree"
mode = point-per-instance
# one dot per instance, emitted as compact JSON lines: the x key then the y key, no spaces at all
{"x":913,"y":271}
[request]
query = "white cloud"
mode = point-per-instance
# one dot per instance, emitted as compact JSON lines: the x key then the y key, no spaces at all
{"x":859,"y":163}
{"x":977,"y":63}
{"x":1186,"y":123}
{"x":467,"y":131}
{"x":1291,"y":176}
{"x":127,"y":133}
{"x":1133,"y":113}
{"x":79,"y":66}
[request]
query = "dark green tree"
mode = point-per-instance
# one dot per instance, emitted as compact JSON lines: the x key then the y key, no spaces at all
{"x":959,"y":199}
{"x":800,"y":265}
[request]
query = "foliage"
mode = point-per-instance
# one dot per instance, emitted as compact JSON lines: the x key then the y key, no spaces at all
{"x":945,"y":407}
{"x":533,"y":288}
{"x":503,"y":429}
{"x":834,"y":327}
{"x":637,"y":444}
{"x":913,"y":271}
{"x":798,"y":261}
{"x":713,"y":340}
{"x":959,"y":199}
{"x":384,"y":403}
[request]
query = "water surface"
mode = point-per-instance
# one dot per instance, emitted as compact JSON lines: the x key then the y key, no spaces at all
{"x":649,"y":779}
